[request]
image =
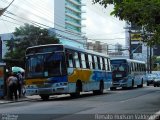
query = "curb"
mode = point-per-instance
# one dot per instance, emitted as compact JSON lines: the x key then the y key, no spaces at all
{"x":19,"y":100}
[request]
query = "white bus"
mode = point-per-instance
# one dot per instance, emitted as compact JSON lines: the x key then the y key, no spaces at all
{"x":127,"y":73}
{"x":60,"y":69}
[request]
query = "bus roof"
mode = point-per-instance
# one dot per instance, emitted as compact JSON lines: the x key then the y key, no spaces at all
{"x":129,"y":60}
{"x":72,"y":48}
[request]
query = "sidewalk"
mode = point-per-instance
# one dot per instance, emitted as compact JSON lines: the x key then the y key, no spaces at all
{"x":25,"y":98}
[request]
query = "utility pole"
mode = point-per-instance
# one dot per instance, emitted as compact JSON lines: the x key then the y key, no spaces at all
{"x":0,"y":49}
{"x":2,"y":10}
{"x":130,"y":45}
{"x":150,"y":60}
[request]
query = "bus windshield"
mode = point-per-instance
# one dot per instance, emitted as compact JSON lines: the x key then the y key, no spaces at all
{"x":119,"y":67}
{"x":44,"y":65}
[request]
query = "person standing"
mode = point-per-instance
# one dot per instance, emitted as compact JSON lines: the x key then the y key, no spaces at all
{"x":12,"y":83}
{"x":20,"y":83}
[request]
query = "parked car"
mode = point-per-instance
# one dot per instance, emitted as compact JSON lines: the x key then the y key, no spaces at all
{"x":156,"y":81}
{"x":150,"y":78}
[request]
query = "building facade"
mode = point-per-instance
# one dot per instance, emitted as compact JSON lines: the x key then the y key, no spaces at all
{"x":68,"y":16}
{"x":98,"y":47}
{"x":137,"y":48}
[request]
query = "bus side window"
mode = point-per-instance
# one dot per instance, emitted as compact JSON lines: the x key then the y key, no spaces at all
{"x":101,"y":63}
{"x":83,"y":60}
{"x":90,"y":61}
{"x":95,"y":62}
{"x":106,"y":63}
{"x":77,"y":60}
{"x":87,"y":61}
{"x":70,"y":61}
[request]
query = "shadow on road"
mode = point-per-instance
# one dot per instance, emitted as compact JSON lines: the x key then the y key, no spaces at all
{"x":68,"y":97}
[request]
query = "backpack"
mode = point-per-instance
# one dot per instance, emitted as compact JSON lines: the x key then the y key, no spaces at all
{"x":12,"y":80}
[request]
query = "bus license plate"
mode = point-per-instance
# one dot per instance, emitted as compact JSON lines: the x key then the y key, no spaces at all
{"x":118,"y":75}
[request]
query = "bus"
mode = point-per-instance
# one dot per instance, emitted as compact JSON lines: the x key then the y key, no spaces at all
{"x":127,"y":73}
{"x":60,"y":69}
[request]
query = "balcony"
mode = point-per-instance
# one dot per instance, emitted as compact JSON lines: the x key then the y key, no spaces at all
{"x":73,"y":8}
{"x":73,"y":24}
{"x":73,"y":16}
{"x":77,"y":3}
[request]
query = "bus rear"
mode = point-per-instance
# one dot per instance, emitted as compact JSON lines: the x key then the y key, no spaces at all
{"x":45,"y":72}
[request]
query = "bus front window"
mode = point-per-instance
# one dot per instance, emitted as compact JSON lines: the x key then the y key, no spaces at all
{"x":34,"y":66}
{"x":44,"y":65}
{"x":54,"y":64}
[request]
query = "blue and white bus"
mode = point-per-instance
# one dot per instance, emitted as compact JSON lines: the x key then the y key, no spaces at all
{"x":60,"y":69}
{"x":127,"y":73}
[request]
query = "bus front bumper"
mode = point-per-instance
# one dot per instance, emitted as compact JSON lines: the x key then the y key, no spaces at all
{"x":121,"y":83}
{"x":50,"y":91}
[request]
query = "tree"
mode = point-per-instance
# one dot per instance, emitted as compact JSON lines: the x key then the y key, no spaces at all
{"x":140,"y":12}
{"x":27,"y":36}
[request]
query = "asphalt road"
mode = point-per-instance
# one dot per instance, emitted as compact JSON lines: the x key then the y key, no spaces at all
{"x":137,"y":103}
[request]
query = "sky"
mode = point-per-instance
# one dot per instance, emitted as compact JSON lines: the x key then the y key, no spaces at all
{"x":99,"y":24}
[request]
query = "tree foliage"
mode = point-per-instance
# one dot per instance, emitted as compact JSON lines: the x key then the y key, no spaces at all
{"x":144,"y":13}
{"x":27,"y":36}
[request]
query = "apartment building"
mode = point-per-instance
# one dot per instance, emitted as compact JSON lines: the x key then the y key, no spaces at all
{"x":68,"y":16}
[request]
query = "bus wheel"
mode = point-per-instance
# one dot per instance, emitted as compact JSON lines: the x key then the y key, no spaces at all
{"x":44,"y":97}
{"x":141,"y":85}
{"x":78,"y":89}
{"x":101,"y":89}
{"x":132,"y":83}
{"x":112,"y":88}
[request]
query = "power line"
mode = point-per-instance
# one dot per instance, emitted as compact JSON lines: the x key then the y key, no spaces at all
{"x":50,"y":21}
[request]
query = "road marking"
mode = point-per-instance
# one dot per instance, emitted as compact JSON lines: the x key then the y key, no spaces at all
{"x":155,"y":116}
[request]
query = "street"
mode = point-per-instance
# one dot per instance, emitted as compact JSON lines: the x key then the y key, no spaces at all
{"x":131,"y":102}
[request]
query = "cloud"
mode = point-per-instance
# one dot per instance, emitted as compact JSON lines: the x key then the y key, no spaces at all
{"x":99,"y":23}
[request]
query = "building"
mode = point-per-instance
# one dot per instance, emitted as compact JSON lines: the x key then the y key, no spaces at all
{"x":68,"y":16}
{"x":98,"y":47}
{"x":67,"y":24}
{"x":134,"y":41}
{"x":4,"y":39}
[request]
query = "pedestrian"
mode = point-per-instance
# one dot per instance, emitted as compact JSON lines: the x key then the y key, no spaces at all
{"x":20,"y":83}
{"x":12,"y":83}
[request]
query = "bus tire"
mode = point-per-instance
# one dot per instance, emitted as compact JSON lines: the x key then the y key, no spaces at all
{"x":101,"y":89}
{"x":141,"y":85}
{"x":132,"y":83}
{"x":44,"y":97}
{"x":78,"y":89}
{"x":112,"y":88}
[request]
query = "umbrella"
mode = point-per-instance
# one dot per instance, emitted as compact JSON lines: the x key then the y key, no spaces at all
{"x":17,"y":69}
